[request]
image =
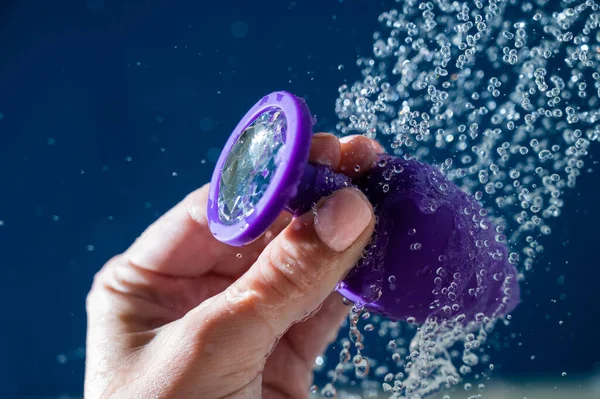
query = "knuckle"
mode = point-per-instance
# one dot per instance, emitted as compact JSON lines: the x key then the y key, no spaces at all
{"x":110,"y":296}
{"x":99,"y":281}
{"x":196,"y":204}
{"x":203,"y":332}
{"x":291,"y":269}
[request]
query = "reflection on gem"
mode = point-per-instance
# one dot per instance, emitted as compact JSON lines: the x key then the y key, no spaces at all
{"x":251,"y":165}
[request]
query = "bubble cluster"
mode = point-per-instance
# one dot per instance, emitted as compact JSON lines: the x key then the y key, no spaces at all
{"x":503,"y":96}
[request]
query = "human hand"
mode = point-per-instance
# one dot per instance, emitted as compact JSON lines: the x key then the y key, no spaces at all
{"x":182,"y":315}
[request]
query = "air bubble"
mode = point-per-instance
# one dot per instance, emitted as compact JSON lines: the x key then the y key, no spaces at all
{"x":416,"y":246}
{"x":329,"y":391}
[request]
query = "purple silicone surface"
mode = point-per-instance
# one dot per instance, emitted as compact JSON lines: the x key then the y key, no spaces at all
{"x":318,"y":182}
{"x":283,"y":186}
{"x":434,"y":251}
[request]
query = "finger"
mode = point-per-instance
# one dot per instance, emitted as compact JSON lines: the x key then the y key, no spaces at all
{"x":179,"y":243}
{"x":290,"y":366}
{"x":292,"y":277}
{"x":325,"y":150}
{"x":300,"y":268}
{"x":311,"y":337}
{"x":359,"y":154}
{"x":237,"y":260}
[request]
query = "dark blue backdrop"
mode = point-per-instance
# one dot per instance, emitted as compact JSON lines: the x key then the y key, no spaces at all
{"x":111,"y":111}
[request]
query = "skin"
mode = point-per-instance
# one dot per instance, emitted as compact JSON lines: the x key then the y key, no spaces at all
{"x":181,"y":315}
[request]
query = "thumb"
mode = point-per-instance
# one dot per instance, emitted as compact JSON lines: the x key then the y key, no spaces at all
{"x":302,"y":266}
{"x":290,"y":279}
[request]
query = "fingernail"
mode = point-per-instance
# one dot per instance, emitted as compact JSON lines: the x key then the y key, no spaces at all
{"x":379,"y":149}
{"x":342,"y":218}
{"x":349,"y":138}
{"x":325,"y":150}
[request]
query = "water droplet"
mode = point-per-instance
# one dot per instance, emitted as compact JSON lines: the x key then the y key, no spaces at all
{"x":328,"y":391}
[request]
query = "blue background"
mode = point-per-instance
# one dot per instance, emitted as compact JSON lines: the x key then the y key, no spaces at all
{"x":112,"y":111}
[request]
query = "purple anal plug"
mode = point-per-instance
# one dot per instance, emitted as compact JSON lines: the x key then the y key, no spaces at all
{"x":433,"y":252}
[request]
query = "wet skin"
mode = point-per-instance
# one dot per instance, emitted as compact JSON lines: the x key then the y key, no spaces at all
{"x":181,"y":315}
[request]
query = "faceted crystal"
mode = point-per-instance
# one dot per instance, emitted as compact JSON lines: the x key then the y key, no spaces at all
{"x":250,"y":165}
